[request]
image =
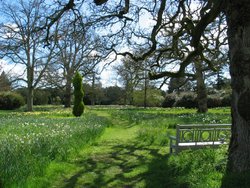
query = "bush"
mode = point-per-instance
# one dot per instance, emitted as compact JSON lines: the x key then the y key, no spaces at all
{"x":226,"y":100}
{"x":10,"y":101}
{"x":78,"y":94}
{"x":41,"y":97}
{"x":187,"y":100}
{"x":213,"y":101}
{"x":154,"y":98}
{"x":169,"y":101}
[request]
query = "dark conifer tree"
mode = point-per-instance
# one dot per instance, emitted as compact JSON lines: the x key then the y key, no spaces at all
{"x":78,"y":108}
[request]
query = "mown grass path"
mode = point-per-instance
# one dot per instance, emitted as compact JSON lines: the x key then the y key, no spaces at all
{"x":118,"y":159}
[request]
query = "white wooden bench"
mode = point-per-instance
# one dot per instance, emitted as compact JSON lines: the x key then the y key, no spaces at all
{"x":198,"y":136}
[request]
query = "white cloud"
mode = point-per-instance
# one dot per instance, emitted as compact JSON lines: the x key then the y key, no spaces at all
{"x":17,"y":69}
{"x":108,"y":78}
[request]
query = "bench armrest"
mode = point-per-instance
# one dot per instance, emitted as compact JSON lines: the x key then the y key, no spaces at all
{"x":173,"y":143}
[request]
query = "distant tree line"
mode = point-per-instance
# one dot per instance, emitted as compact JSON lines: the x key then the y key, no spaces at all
{"x":181,"y":93}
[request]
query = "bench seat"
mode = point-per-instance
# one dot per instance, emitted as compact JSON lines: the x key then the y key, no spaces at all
{"x":199,"y":143}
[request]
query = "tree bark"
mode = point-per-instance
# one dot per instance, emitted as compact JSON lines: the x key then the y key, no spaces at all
{"x":93,"y":91}
{"x":201,"y":88}
{"x":30,"y":97}
{"x":145,"y":90}
{"x":238,"y":18}
{"x":67,"y":95}
{"x":30,"y":89}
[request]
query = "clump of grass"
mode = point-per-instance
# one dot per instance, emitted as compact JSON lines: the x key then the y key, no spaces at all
{"x":30,"y":142}
{"x":200,"y":168}
{"x":154,"y":131}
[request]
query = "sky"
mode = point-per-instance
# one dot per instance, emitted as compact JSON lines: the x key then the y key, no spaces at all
{"x":108,"y":77}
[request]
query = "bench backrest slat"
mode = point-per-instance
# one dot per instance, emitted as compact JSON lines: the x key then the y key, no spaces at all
{"x":202,"y":133}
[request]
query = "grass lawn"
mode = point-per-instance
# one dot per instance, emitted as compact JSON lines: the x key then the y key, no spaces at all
{"x":107,"y":147}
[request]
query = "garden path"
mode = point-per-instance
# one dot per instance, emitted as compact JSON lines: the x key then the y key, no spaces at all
{"x":118,"y":159}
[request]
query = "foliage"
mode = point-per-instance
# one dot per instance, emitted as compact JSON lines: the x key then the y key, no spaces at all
{"x":5,"y":84}
{"x":113,"y":95}
{"x":41,"y":97}
{"x":169,"y":101}
{"x":220,"y":99}
{"x":226,"y":100}
{"x":154,"y":98}
{"x":10,"y":100}
{"x":187,"y":100}
{"x":78,"y":94}
{"x":130,"y":73}
{"x":214,"y":101}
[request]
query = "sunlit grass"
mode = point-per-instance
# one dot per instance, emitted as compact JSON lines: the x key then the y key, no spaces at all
{"x":30,"y":141}
{"x":107,"y":147}
{"x":156,"y":124}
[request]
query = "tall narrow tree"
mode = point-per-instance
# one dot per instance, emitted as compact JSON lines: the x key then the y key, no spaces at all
{"x":78,"y":108}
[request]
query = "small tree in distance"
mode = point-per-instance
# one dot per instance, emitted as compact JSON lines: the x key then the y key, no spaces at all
{"x":78,"y":94}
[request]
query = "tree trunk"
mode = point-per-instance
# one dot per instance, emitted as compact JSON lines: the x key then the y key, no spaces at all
{"x":238,"y":18}
{"x":145,"y":91}
{"x":67,"y":94}
{"x":30,"y":89}
{"x":93,"y":91}
{"x":201,"y":89}
{"x":30,"y":99}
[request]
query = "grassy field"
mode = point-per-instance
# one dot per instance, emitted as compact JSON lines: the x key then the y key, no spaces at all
{"x":107,"y":147}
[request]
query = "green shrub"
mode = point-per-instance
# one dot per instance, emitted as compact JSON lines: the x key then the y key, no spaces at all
{"x":154,"y":98}
{"x":187,"y":100}
{"x":10,"y":101}
{"x":226,"y":100}
{"x":214,"y":101}
{"x":78,"y":94}
{"x":169,"y":101}
{"x":41,"y":97}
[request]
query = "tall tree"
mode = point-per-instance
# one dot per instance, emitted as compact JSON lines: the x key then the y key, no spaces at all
{"x":5,"y":84}
{"x":78,"y":108}
{"x":21,"y":44}
{"x":77,"y":51}
{"x":201,"y":88}
{"x":131,"y":74}
{"x":238,"y":23}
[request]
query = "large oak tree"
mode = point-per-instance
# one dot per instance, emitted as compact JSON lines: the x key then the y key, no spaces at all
{"x":238,"y":28}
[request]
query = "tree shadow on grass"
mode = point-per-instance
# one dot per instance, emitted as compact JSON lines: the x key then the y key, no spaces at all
{"x":125,"y":165}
